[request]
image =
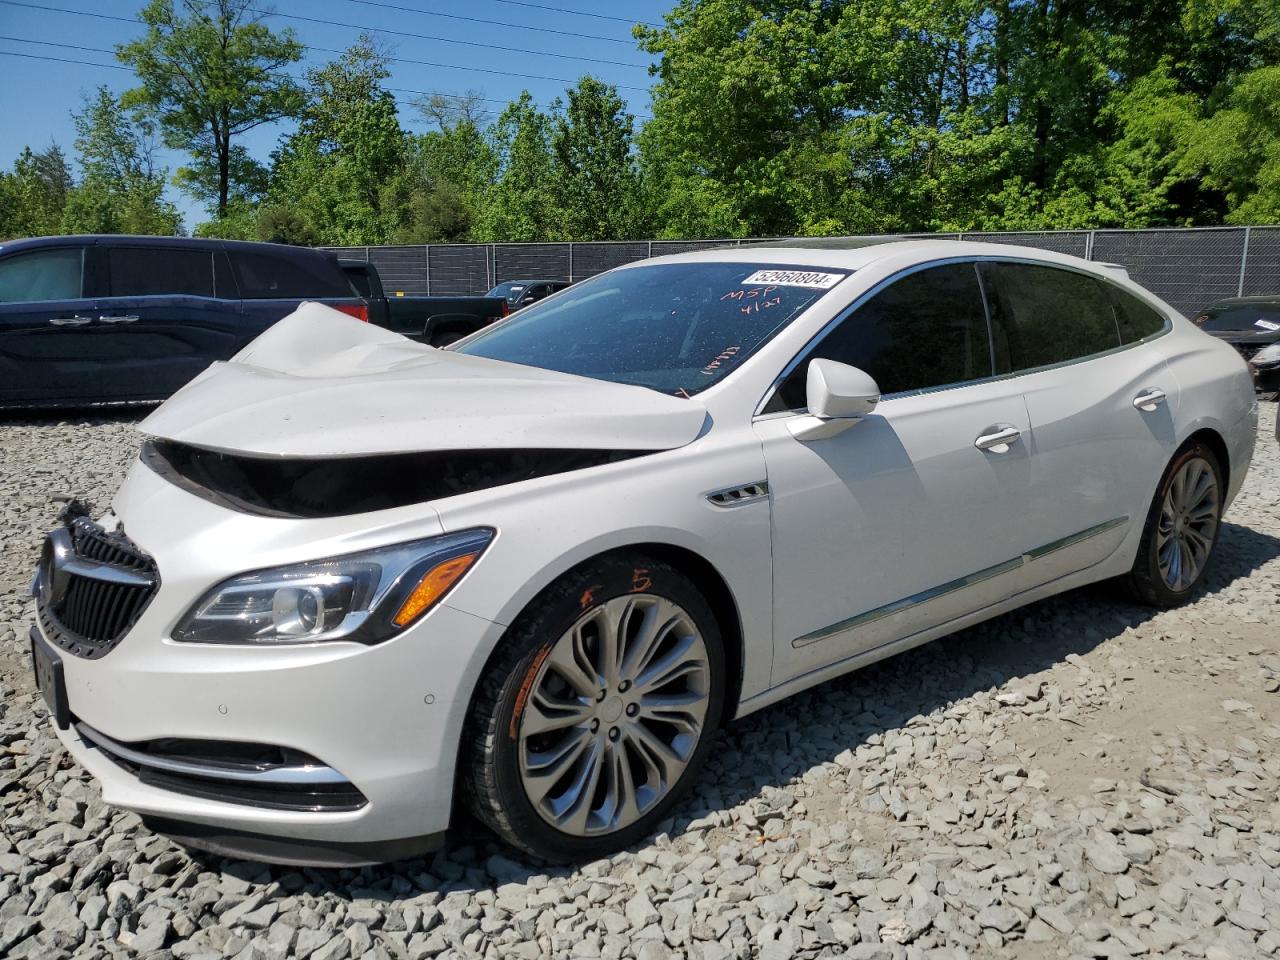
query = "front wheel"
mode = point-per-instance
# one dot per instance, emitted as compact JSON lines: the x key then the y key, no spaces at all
{"x":1181,"y":529}
{"x":597,"y":711}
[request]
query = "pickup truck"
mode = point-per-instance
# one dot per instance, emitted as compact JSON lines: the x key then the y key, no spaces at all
{"x":117,"y":319}
{"x":433,"y":320}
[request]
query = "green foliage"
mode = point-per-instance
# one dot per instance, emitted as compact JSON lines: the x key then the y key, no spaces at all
{"x":210,"y":71}
{"x":520,"y":206}
{"x":34,"y":194}
{"x":121,"y":189}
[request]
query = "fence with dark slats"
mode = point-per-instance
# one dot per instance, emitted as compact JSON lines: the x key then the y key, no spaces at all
{"x":1189,"y":267}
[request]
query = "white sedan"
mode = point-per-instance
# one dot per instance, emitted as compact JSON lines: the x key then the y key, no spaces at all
{"x":353,"y":580}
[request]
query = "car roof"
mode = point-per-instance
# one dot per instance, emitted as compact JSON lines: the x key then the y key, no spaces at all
{"x":128,"y":239}
{"x":1263,"y":300}
{"x":855,"y":253}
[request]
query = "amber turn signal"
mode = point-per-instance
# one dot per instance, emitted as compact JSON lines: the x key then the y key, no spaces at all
{"x":435,"y":583}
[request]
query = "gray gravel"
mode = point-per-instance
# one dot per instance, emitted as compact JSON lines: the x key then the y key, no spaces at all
{"x":1082,"y":778}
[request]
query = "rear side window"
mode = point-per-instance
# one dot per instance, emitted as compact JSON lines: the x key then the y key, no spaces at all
{"x":1136,"y":320}
{"x":160,"y":271}
{"x":928,"y":329}
{"x":55,"y":274}
{"x":291,"y":275}
{"x":1043,"y":315}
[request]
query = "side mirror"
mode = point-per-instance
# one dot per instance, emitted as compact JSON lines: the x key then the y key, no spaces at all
{"x":837,"y":391}
{"x":838,"y":396}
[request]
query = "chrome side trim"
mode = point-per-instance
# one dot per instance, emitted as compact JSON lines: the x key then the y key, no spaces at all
{"x":1075,"y":538}
{"x":935,"y":593}
{"x":736,"y":496}
{"x":287,"y":775}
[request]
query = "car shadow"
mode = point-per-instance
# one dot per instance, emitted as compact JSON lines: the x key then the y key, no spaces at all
{"x":768,"y":749}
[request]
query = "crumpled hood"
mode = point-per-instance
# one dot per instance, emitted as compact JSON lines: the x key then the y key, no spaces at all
{"x":320,"y":384}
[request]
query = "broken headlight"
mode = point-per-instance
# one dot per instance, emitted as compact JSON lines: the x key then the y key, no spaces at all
{"x":364,"y":597}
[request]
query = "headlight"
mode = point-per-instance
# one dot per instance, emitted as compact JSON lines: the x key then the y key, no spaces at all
{"x":364,"y":597}
{"x":1268,"y":356}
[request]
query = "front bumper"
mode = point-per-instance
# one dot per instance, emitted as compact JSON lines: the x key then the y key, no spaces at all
{"x":387,"y":718}
{"x":1266,"y":379}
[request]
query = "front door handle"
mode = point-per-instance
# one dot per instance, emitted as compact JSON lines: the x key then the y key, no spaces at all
{"x":998,"y":442}
{"x":1149,"y":399}
{"x":125,"y":318}
{"x":76,"y":321}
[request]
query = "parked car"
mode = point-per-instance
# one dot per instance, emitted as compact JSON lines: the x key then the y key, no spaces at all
{"x":521,"y":293}
{"x":1252,"y":326}
{"x":93,"y":319}
{"x":434,"y":320}
{"x":355,"y":582}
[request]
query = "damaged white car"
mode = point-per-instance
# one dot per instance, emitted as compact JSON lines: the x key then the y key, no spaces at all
{"x":354,"y":582}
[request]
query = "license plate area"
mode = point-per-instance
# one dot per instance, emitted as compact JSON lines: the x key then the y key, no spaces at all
{"x":49,"y":679}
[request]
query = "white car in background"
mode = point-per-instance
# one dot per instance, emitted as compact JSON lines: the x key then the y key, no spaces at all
{"x":354,"y":579}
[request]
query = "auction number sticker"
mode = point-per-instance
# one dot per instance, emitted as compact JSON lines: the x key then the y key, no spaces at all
{"x":795,"y":278}
{"x":1264,"y":324}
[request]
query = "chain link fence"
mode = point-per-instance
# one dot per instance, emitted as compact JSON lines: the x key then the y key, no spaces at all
{"x":1188,"y":267}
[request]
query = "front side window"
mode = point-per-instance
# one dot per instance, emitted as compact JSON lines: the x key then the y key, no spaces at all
{"x":677,"y":327}
{"x":928,"y":329}
{"x":55,"y":274}
{"x":1044,"y":315}
{"x":160,"y":271}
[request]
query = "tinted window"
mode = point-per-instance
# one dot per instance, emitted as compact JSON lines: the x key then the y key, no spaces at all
{"x":359,"y":279}
{"x":928,"y":329}
{"x":158,"y":271}
{"x":1241,"y":316}
{"x":1043,"y":315}
{"x":42,"y":275}
{"x":675,"y":327}
{"x":508,"y":291}
{"x":297,"y":274}
{"x":1136,"y":320}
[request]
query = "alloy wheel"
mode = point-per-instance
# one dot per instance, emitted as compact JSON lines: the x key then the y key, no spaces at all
{"x":1188,"y":524}
{"x":614,"y":714}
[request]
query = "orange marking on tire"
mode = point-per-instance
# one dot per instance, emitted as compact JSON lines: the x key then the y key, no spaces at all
{"x":640,"y":579}
{"x":588,"y":596}
{"x":522,"y":696}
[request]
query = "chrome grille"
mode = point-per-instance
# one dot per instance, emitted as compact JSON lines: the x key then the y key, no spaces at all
{"x":91,"y":587}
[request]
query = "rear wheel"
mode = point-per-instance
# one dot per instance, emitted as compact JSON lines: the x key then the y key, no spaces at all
{"x":597,"y":711}
{"x":1181,"y":529}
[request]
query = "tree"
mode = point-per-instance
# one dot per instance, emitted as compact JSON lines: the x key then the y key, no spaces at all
{"x":34,"y":195}
{"x":211,"y":71}
{"x":448,"y":110}
{"x":596,"y":185}
{"x":121,"y":188}
{"x":343,"y":171}
{"x":520,"y":206}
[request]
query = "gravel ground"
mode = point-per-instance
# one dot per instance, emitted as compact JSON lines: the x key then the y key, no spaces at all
{"x":1081,"y":778}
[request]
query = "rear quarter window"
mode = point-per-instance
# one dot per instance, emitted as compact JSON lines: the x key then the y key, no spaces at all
{"x":288,"y":275}
{"x":1135,"y":319}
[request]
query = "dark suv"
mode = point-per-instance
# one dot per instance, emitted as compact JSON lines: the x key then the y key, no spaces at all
{"x":120,"y":319}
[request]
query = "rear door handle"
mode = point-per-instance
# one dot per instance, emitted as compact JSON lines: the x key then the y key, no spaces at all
{"x":76,"y":321}
{"x":998,"y":442}
{"x":126,"y":318}
{"x":1149,"y":399}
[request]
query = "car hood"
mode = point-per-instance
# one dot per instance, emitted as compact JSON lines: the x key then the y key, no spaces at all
{"x":320,"y":384}
{"x":1246,"y":337}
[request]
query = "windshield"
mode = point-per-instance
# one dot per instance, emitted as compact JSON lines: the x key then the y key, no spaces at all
{"x":508,"y":291}
{"x":1254,"y":317}
{"x":677,"y":327}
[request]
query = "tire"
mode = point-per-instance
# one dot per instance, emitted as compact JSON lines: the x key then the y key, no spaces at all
{"x":1149,"y":581}
{"x":501,"y":769}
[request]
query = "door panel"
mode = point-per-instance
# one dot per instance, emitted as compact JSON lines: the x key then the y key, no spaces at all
{"x":895,"y":525}
{"x":47,"y":348}
{"x":1097,"y":458}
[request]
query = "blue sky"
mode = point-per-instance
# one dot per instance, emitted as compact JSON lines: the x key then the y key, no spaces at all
{"x":37,"y":96}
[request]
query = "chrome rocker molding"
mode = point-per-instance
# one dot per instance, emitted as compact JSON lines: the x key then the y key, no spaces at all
{"x":744,"y":493}
{"x":915,"y":600}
